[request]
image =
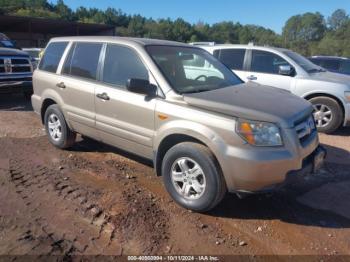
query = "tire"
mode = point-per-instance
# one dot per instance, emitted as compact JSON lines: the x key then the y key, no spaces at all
{"x":63,"y":137}
{"x":191,"y":154}
{"x":331,"y":110}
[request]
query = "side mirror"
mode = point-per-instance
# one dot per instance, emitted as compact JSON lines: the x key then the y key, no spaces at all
{"x":285,"y":70}
{"x":141,"y":86}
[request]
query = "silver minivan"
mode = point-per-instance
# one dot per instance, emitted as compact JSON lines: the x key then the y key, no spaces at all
{"x":328,"y":92}
{"x":206,"y":131}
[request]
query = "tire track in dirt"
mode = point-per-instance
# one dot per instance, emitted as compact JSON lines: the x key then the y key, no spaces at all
{"x":104,"y":220}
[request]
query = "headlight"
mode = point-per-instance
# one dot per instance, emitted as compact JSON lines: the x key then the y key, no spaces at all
{"x":347,"y":95}
{"x":259,"y":133}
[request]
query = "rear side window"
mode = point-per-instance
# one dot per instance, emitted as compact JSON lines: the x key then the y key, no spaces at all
{"x":82,"y":60}
{"x":331,"y":64}
{"x":266,"y":62}
{"x":232,"y":58}
{"x":122,"y":63}
{"x":52,"y":56}
{"x":316,"y":61}
{"x":345,"y":67}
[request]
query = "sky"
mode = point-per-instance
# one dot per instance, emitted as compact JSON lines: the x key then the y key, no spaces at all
{"x":268,"y":13}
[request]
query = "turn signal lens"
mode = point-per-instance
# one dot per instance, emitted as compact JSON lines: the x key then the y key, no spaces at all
{"x":347,"y":95}
{"x":247,"y":132}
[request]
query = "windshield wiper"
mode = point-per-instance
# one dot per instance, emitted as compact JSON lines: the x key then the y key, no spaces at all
{"x":198,"y":90}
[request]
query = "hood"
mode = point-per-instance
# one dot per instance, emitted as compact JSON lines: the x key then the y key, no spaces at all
{"x":254,"y":102}
{"x":331,"y":77}
{"x":12,"y":52}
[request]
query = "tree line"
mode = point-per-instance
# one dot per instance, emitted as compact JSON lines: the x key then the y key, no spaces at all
{"x":308,"y":34}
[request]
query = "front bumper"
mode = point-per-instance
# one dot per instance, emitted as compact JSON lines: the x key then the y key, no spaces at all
{"x":16,"y":83}
{"x":252,"y":169}
{"x":347,"y":115}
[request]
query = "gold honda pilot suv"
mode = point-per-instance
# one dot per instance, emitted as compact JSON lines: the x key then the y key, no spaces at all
{"x":206,"y":131}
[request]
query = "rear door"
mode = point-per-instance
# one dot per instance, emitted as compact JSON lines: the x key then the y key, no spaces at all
{"x":234,"y":59}
{"x":124,"y":119}
{"x":264,"y":69}
{"x":77,"y":86}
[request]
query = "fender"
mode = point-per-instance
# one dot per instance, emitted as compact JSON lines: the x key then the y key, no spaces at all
{"x":53,"y":95}
{"x":338,"y":97}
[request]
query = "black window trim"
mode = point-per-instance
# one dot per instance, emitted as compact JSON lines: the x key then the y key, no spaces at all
{"x":249,"y":63}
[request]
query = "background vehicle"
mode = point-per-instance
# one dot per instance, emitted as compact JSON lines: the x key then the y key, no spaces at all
{"x":16,"y":71}
{"x":35,"y":54}
{"x":7,"y":42}
{"x":333,"y":63}
{"x":282,"y":68}
{"x":180,"y":107}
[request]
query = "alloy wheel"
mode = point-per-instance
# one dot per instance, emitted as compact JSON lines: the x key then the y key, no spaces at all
{"x":188,"y":178}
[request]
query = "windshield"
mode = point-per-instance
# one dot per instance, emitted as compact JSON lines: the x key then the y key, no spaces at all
{"x":191,"y":70}
{"x":305,"y":63}
{"x":7,"y":43}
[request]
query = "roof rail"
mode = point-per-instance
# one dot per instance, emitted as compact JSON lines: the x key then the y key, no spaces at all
{"x":203,"y":43}
{"x":251,"y":44}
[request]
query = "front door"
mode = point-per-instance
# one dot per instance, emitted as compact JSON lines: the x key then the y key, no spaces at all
{"x":124,"y":119}
{"x":264,"y":69}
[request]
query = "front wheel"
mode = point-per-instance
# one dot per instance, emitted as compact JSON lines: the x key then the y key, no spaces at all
{"x":328,"y":114}
{"x":193,"y":177}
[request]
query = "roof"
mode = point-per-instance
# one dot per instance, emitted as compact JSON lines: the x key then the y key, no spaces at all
{"x":248,"y":46}
{"x":330,"y":57}
{"x":49,"y":26}
{"x":119,"y":39}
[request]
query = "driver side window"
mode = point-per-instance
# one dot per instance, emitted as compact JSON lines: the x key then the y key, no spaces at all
{"x":266,"y":62}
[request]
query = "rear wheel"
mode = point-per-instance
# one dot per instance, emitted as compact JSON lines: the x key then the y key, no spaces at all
{"x":57,"y":130}
{"x":328,"y":114}
{"x":192,"y":176}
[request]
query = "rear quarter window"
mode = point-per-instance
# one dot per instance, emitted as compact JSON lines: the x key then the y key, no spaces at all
{"x":52,"y":56}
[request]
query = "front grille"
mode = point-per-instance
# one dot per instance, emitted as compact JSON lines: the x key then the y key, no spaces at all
{"x":14,"y":65}
{"x":305,"y":128}
{"x":15,"y":79}
{"x":19,"y":61}
{"x":21,"y":69}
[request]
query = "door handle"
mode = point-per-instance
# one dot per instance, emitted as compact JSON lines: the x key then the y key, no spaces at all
{"x":61,"y":85}
{"x":103,"y":96}
{"x":252,"y":77}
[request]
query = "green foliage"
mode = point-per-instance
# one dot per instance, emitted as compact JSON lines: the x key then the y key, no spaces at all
{"x":302,"y":31}
{"x":308,"y":33}
{"x":337,"y":19}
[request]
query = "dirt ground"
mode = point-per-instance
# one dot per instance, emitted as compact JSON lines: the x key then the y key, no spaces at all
{"x":95,"y":199}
